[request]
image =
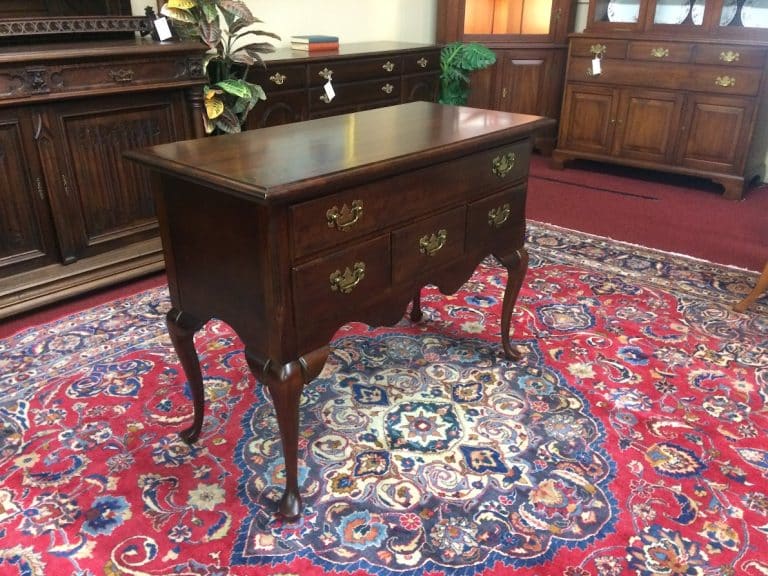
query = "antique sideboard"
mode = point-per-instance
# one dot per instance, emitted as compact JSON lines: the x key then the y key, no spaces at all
{"x":288,"y":232}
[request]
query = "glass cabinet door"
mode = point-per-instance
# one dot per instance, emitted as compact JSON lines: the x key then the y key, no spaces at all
{"x":523,"y":17}
{"x":615,"y":13}
{"x":749,"y":14}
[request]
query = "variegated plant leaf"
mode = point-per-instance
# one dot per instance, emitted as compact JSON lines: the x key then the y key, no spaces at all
{"x":182,"y":4}
{"x":178,"y":14}
{"x":228,"y":122}
{"x":239,"y":88}
{"x":210,"y":33}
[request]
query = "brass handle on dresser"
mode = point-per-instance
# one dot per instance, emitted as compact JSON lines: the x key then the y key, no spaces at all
{"x":121,"y":76}
{"x":725,"y":81}
{"x":430,"y":244}
{"x":65,"y":183}
{"x":388,"y":66}
{"x":598,"y":50}
{"x":325,"y":73}
{"x":497,"y":216}
{"x":278,"y":78}
{"x":39,"y":187}
{"x":729,"y":56}
{"x":387,"y":88}
{"x":345,"y":218}
{"x":503,"y":164}
{"x":422,"y":62}
{"x":345,"y":281}
{"x":659,"y":52}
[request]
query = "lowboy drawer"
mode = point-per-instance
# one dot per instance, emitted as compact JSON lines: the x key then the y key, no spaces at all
{"x":588,"y":47}
{"x":498,"y":221}
{"x":660,"y":51}
{"x":356,"y":94}
{"x":276,"y":78}
{"x":328,"y":221}
{"x":729,"y":55}
{"x":330,"y":286}
{"x":428,"y":244}
{"x":421,"y":62}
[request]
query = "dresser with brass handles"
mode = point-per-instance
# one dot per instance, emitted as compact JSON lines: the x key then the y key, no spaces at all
{"x":676,"y":103}
{"x":288,"y":232}
{"x":363,"y":76}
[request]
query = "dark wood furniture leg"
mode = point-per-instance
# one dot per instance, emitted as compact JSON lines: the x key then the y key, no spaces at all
{"x":416,"y":314}
{"x":516,"y":265}
{"x":285,"y":384}
{"x":182,"y":328}
{"x":760,"y":286}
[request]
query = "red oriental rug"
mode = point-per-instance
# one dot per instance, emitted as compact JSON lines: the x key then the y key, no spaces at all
{"x":628,"y":440}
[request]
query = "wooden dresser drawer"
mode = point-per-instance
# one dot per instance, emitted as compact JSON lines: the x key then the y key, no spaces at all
{"x":353,"y":70}
{"x":277,"y":78}
{"x":661,"y":51}
{"x":496,"y":220}
{"x":421,"y":62}
{"x":350,"y":214}
{"x":356,"y":94}
{"x":611,"y":48}
{"x":329,"y":286}
{"x":724,"y":80}
{"x":427,"y":244}
{"x":729,"y":55}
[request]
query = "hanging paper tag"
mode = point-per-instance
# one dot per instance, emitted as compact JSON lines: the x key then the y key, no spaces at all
{"x":163,"y":30}
{"x":329,"y":92}
{"x":596,"y":69}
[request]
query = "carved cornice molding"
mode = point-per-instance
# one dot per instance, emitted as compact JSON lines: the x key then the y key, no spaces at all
{"x":82,"y":25}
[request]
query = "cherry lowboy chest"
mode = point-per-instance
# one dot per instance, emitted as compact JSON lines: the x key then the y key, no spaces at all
{"x":286,"y":233}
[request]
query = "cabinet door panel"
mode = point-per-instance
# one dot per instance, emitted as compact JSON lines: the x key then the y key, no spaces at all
{"x":524,"y":83}
{"x":717,"y":133}
{"x":26,"y":233}
{"x":279,"y":108}
{"x":110,"y":196}
{"x":648,"y":124}
{"x":588,"y":119}
{"x":420,"y":87}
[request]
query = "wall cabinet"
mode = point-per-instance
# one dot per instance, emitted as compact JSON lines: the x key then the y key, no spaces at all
{"x":75,"y":214}
{"x":529,"y":38}
{"x":670,"y":88}
{"x":363,"y":76}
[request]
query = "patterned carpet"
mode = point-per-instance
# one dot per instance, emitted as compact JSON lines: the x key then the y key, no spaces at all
{"x":629,"y":439}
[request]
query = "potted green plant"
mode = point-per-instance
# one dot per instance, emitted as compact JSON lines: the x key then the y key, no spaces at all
{"x":226,"y":27}
{"x":457,"y":60}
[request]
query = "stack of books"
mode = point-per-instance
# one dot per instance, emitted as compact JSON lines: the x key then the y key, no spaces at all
{"x":314,"y":42}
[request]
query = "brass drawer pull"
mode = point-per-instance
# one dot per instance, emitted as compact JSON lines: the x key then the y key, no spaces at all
{"x":497,"y":216}
{"x":345,"y":218}
{"x":278,"y":78}
{"x":729,"y":56}
{"x":725,"y":81}
{"x":345,"y":282}
{"x":388,"y":66}
{"x":503,"y":164}
{"x":121,"y":76}
{"x":325,"y":73}
{"x":387,"y":88}
{"x":422,"y":62}
{"x":598,"y":50}
{"x":430,"y":244}
{"x":659,"y":52}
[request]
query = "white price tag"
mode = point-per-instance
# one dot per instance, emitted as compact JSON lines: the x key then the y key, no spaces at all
{"x":596,"y":66}
{"x":328,"y":87}
{"x":163,"y":30}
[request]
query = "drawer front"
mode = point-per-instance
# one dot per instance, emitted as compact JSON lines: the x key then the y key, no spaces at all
{"x":356,"y":93}
{"x":421,"y":62}
{"x":660,"y":51}
{"x":349,"y":214}
{"x":498,"y":221}
{"x":727,"y":55}
{"x":276,"y":78}
{"x":126,"y":75}
{"x":611,"y":48}
{"x":353,"y":70}
{"x":428,"y":244}
{"x":710,"y":79}
{"x":331,"y":286}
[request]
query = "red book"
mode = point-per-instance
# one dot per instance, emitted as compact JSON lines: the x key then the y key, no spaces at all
{"x":315,"y":46}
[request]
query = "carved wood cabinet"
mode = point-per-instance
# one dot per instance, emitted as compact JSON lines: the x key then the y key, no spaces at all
{"x":672,"y":87}
{"x":364,"y":75}
{"x":75,"y":215}
{"x":530,"y":40}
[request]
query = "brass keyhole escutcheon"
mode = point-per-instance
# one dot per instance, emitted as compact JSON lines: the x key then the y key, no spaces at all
{"x":430,"y":244}
{"x":345,"y":218}
{"x":344,"y":282}
{"x":503,"y":164}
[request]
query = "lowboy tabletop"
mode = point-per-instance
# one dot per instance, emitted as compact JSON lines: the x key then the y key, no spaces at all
{"x":286,"y":233}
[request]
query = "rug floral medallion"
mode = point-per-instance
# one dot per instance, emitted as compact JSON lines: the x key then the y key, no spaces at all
{"x":629,"y":438}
